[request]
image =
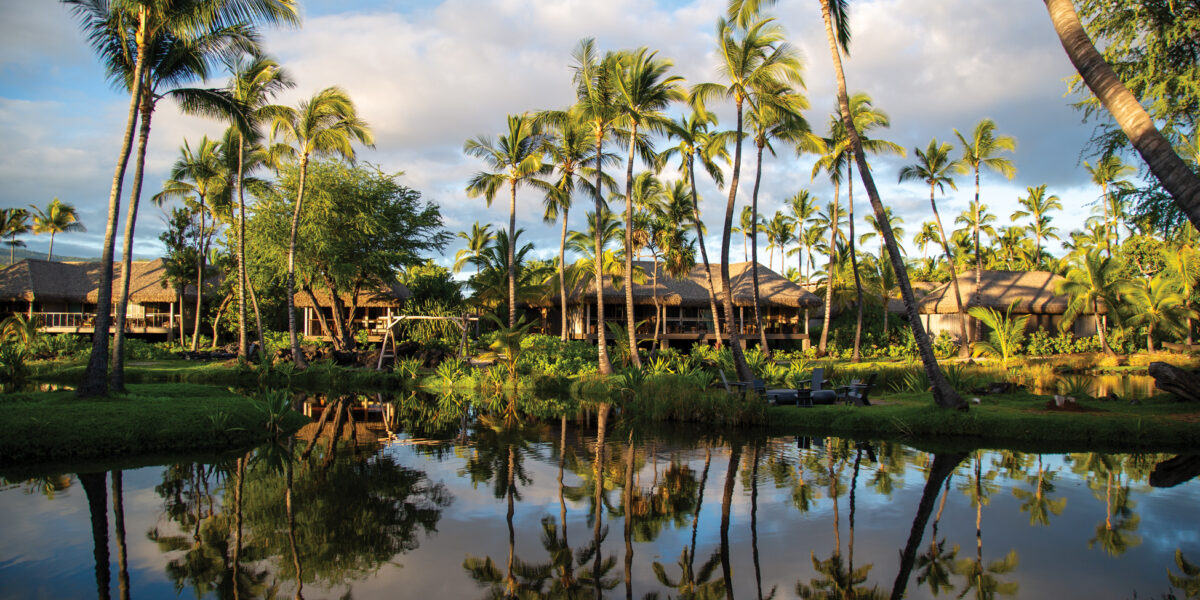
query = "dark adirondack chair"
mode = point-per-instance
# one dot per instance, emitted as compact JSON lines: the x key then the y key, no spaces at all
{"x":859,"y":392}
{"x":812,"y":391}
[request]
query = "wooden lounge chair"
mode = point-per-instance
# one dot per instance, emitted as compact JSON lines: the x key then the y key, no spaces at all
{"x":858,"y":392}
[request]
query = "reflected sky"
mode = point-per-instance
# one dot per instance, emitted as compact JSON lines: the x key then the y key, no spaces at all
{"x":1111,"y":535}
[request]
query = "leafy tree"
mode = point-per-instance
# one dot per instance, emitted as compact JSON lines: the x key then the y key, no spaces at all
{"x":363,"y":226}
{"x":1159,"y":303}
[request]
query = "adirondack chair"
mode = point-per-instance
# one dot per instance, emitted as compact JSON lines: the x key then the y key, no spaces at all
{"x":858,"y":392}
{"x":812,"y":392}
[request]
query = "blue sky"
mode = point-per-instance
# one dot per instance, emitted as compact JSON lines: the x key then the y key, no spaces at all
{"x":428,"y":75}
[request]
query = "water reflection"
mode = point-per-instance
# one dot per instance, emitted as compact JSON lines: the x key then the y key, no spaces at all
{"x":505,"y":509}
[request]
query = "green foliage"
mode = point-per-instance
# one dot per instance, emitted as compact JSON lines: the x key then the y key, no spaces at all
{"x":1005,"y":333}
{"x":426,"y":331}
{"x":945,"y":346}
{"x":506,"y":346}
{"x":138,"y":349}
{"x":676,"y":397}
{"x":429,"y":281}
{"x":1075,"y":386}
{"x":552,"y":356}
{"x":275,"y":405}
{"x":13,"y":370}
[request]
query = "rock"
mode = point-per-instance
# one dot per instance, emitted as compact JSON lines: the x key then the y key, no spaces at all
{"x":1184,"y":384}
{"x":407,"y":349}
{"x":432,"y":357}
{"x":976,"y":400}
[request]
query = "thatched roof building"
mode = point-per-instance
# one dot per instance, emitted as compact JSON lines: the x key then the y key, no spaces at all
{"x":33,"y":280}
{"x":692,"y":291}
{"x":376,"y":297}
{"x":1032,"y":290}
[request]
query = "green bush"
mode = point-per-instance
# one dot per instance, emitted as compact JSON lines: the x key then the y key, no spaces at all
{"x":138,"y":349}
{"x":550,"y":355}
{"x":945,"y":346}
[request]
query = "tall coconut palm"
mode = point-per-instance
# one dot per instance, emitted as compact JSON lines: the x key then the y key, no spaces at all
{"x":1038,"y":205}
{"x":1175,"y":175}
{"x":203,"y":174}
{"x":976,"y":219}
{"x":326,"y":124}
{"x":981,"y":151}
{"x":570,"y":150}
{"x":642,"y":88}
{"x":1095,"y":283}
{"x":745,"y":57}
{"x":887,"y":275}
{"x":515,"y":158}
{"x":59,"y":217}
{"x":596,"y":102}
{"x":835,"y":15}
{"x":254,"y":83}
{"x":1159,"y":302}
{"x":13,"y":222}
{"x":1109,"y":172}
{"x":934,"y":168}
{"x":696,"y":141}
{"x":1184,"y":265}
{"x":779,"y":232}
{"x":802,"y":205}
{"x":774,"y":114}
{"x":124,"y":34}
{"x":865,"y":117}
{"x":927,"y":234}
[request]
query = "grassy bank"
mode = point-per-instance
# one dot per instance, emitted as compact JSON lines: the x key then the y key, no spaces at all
{"x":40,"y":427}
{"x":323,"y":374}
{"x":1019,"y":419}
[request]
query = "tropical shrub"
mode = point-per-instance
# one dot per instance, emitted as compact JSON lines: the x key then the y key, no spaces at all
{"x":944,"y":345}
{"x":552,"y":356}
{"x":1005,"y":332}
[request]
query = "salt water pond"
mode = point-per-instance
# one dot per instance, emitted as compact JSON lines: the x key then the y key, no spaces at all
{"x":546,"y":509}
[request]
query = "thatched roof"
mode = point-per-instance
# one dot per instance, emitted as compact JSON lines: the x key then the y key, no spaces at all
{"x":774,"y":290}
{"x":52,"y":281}
{"x":380,"y":297}
{"x":1033,"y":291}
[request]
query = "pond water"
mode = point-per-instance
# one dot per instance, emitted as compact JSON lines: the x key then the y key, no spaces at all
{"x":1126,"y":386}
{"x":576,"y":510}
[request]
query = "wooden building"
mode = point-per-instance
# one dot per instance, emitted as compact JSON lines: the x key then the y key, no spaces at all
{"x":370,"y":310}
{"x":686,"y":313}
{"x":63,"y":296}
{"x":1033,"y":292}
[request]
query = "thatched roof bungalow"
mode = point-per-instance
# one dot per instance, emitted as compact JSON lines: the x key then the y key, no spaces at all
{"x":371,"y":309}
{"x":1033,"y":292}
{"x":64,"y":294}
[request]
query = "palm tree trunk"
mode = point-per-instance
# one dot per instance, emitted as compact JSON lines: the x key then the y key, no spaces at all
{"x":1100,"y":329}
{"x":708,"y":278}
{"x":597,"y":500}
{"x":293,"y":339}
{"x":754,"y":521}
{"x":964,"y":343}
{"x":858,"y":292}
{"x":628,"y":501}
{"x":630,"y":322}
{"x":735,"y":337}
{"x":1171,"y":171}
{"x":562,"y":273}
{"x":939,"y":471}
{"x":735,"y":455}
{"x":217,"y":319}
{"x":117,"y":368}
{"x":243,"y":347}
{"x":291,"y":520}
{"x":95,"y":379}
{"x":1150,"y":338}
{"x":833,"y":231}
{"x":512,"y":244}
{"x":944,"y":395}
{"x":977,"y":333}
{"x":203,"y":245}
{"x":50,"y":253}
{"x":605,"y":366}
{"x":262,"y":346}
{"x":762,"y":333}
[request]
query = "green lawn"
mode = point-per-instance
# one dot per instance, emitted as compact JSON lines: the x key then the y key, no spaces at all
{"x":151,"y":418}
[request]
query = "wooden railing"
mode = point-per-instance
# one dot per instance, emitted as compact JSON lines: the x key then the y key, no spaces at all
{"x":72,"y":320}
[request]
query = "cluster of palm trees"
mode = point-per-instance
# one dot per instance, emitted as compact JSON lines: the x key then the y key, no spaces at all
{"x":58,"y":217}
{"x":155,"y":49}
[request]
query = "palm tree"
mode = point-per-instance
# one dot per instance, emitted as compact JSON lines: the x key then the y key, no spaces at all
{"x":1159,"y":302}
{"x":696,"y":141}
{"x":1184,"y":264}
{"x":928,"y":233}
{"x":150,"y":33}
{"x":13,"y":222}
{"x":754,"y":56}
{"x":865,"y":118}
{"x":1096,"y":282}
{"x":479,"y":238}
{"x":981,"y":151}
{"x":326,"y":124}
{"x":933,"y":167}
{"x":254,"y":83}
{"x":887,"y":275}
{"x":976,"y":219}
{"x":516,"y":159}
{"x":1175,"y":175}
{"x":831,"y":220}
{"x":803,"y":206}
{"x":1038,"y":206}
{"x":642,"y":90}
{"x":570,"y":150}
{"x":59,"y":217}
{"x":1109,"y":172}
{"x":779,"y":232}
{"x":592,"y":76}
{"x":202,"y":173}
